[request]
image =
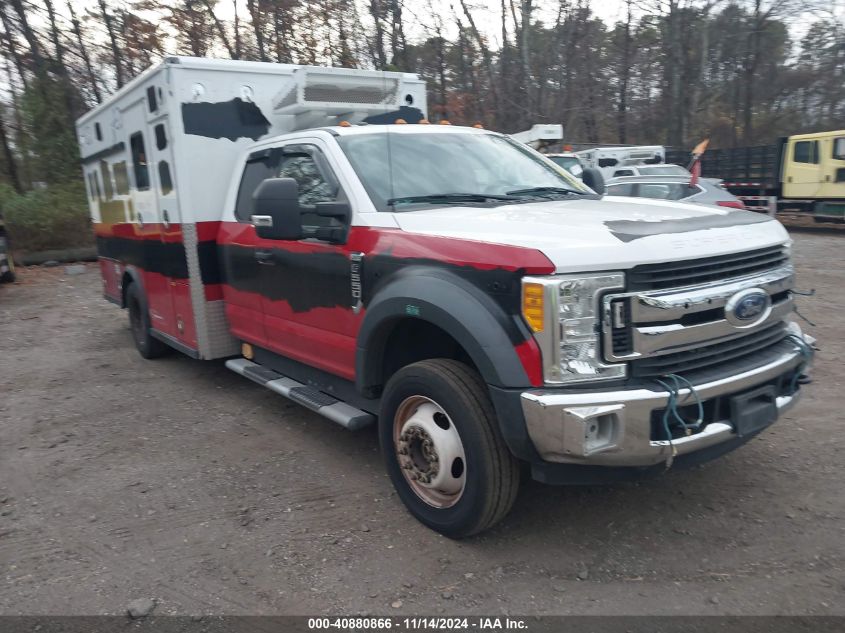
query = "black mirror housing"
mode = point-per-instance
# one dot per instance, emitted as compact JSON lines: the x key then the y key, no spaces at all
{"x":278,"y":215}
{"x":594,"y":179}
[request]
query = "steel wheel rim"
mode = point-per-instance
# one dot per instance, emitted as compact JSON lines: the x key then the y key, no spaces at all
{"x":429,"y":451}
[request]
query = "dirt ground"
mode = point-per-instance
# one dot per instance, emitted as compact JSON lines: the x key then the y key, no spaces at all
{"x":179,"y":481}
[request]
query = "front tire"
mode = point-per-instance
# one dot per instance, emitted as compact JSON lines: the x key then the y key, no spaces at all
{"x":139,"y":323}
{"x":443,"y":450}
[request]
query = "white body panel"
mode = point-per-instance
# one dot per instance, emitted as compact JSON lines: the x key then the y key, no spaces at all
{"x":574,"y":235}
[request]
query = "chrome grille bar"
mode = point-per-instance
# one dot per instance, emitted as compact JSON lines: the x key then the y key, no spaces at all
{"x":673,"y":320}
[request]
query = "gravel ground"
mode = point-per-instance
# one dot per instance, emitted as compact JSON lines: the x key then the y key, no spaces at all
{"x":178,"y":481}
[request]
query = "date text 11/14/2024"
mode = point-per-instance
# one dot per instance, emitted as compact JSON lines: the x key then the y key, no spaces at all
{"x":402,"y":624}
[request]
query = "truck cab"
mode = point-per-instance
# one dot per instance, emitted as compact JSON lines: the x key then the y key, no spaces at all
{"x":484,"y":308}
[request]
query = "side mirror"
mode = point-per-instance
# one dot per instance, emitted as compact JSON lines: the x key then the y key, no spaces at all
{"x":593,"y":178}
{"x":278,"y":215}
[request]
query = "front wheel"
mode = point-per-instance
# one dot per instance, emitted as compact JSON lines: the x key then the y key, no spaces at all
{"x":443,"y":449}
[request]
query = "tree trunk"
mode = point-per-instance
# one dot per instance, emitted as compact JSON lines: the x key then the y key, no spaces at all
{"x":221,"y":30}
{"x":624,"y":78}
{"x":255,"y":15}
{"x":10,"y":45}
{"x":83,"y":53}
{"x":117,"y":58}
{"x":34,"y":47}
{"x":11,"y":164}
{"x":380,"y":57}
{"x":485,"y":55}
{"x":237,"y":26}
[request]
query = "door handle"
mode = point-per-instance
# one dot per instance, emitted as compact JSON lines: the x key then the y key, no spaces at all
{"x":166,"y":220}
{"x":265,"y":257}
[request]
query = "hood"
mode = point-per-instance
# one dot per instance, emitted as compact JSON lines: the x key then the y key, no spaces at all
{"x":608,"y":234}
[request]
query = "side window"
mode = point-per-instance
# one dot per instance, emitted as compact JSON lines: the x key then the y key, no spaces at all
{"x":161,"y":136}
{"x":303,"y":164}
{"x":121,"y":178}
{"x":92,"y":192}
{"x":620,"y":190}
{"x":105,"y":172}
{"x":839,"y":148}
{"x":164,"y":177}
{"x":139,"y":162}
{"x":152,"y":103}
{"x":664,"y":191}
{"x":95,"y":186}
{"x":256,"y":171}
{"x":806,"y":152}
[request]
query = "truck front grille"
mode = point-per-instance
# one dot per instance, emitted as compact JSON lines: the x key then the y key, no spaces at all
{"x":748,"y":347}
{"x":707,"y":270}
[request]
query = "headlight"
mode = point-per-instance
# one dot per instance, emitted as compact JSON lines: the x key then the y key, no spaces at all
{"x":564,"y":313}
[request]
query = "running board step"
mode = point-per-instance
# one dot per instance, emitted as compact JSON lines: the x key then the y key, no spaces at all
{"x":319,"y":402}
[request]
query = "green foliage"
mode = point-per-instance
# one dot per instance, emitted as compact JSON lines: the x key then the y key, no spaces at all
{"x":52,"y":140}
{"x":49,"y":218}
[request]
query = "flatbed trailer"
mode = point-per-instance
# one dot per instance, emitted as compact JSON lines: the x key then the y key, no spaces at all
{"x":803,"y":173}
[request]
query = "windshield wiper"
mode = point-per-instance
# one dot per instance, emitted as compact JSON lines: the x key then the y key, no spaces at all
{"x":542,"y":190}
{"x":448,"y":198}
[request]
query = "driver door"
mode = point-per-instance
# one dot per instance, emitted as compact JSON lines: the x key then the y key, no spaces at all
{"x":306,"y":284}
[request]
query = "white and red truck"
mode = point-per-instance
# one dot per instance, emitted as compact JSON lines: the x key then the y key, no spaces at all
{"x":481,"y":305}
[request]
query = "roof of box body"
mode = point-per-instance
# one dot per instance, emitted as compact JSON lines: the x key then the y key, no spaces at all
{"x":229,"y":65}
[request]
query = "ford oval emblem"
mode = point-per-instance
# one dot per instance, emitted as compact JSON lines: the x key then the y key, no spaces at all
{"x":748,"y":307}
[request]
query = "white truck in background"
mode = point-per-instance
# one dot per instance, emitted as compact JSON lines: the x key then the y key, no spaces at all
{"x":630,"y":160}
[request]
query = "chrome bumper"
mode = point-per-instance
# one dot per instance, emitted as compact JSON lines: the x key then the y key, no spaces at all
{"x":613,"y":428}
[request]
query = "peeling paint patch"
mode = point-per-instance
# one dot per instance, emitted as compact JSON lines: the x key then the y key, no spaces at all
{"x":630,"y":230}
{"x":225,"y":119}
{"x":410,"y":115}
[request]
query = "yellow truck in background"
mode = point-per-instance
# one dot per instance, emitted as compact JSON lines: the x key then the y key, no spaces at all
{"x":803,"y":172}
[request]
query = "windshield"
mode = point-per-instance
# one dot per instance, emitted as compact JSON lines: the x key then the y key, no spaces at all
{"x":663,"y":170}
{"x":396,"y":168}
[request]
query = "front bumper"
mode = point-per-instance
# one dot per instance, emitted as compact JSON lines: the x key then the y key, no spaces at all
{"x":614,"y":428}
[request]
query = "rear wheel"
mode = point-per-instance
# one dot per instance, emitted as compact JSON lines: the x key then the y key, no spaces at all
{"x":139,"y":323}
{"x":443,"y":450}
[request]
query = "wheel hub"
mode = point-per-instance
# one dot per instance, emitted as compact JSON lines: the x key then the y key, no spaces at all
{"x":429,"y":451}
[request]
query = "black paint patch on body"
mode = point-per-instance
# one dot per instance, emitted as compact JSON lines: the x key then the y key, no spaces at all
{"x":226,"y":119}
{"x":406,"y":113}
{"x":165,"y":258}
{"x":630,"y":230}
{"x":306,"y":281}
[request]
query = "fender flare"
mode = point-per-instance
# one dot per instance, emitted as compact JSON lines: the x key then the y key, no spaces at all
{"x":464,"y":311}
{"x":137,"y":278}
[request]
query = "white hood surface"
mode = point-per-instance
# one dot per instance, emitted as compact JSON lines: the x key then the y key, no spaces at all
{"x":609,"y":234}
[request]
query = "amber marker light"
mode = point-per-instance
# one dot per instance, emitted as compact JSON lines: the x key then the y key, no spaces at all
{"x":533,"y":306}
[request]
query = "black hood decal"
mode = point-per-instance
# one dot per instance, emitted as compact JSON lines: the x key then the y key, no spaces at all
{"x":226,"y":119}
{"x":630,"y":230}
